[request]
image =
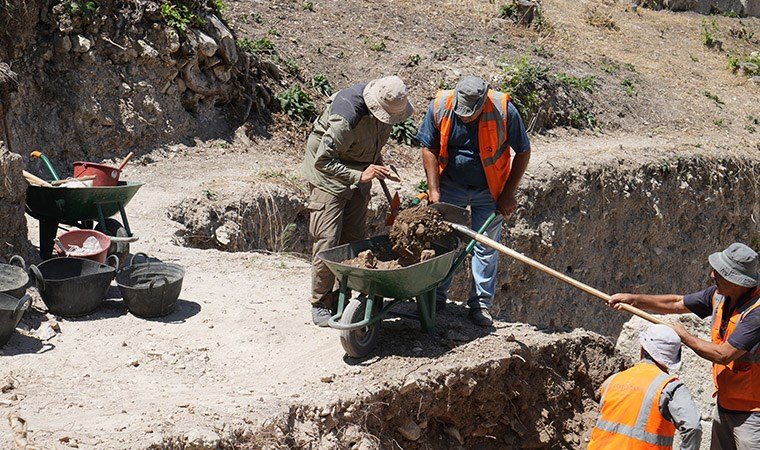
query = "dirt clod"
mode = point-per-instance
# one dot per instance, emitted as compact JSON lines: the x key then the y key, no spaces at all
{"x":368,"y":260}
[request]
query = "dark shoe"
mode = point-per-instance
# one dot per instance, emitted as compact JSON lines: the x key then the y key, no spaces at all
{"x":320,"y":315}
{"x":481,"y":317}
{"x":440,"y":305}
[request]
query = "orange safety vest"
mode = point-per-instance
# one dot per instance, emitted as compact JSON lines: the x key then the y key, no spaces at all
{"x":630,"y":416}
{"x":737,"y":384}
{"x":492,"y":136}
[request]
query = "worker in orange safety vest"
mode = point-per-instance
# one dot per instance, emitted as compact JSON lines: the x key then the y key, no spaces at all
{"x":641,"y":407}
{"x":733,"y":304}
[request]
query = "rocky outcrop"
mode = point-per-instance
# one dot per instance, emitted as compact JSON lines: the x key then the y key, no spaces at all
{"x":12,"y":194}
{"x":104,"y":78}
{"x":742,"y":8}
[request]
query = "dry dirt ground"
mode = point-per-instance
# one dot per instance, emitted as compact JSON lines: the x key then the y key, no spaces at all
{"x":240,"y":347}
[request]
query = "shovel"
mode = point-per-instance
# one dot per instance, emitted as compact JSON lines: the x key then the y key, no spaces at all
{"x":452,"y":217}
{"x":394,"y":202}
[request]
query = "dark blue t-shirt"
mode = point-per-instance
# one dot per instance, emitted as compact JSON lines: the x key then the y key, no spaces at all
{"x":464,"y":166}
{"x":746,"y":335}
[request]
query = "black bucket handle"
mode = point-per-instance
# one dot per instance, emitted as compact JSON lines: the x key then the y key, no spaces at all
{"x":132,"y":259}
{"x":153,"y":283}
{"x":19,"y":311}
{"x":115,"y":260}
{"x":39,"y":281}
{"x":19,"y":260}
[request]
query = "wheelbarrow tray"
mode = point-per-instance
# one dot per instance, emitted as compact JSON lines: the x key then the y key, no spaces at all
{"x":71,"y":205}
{"x":401,"y":283}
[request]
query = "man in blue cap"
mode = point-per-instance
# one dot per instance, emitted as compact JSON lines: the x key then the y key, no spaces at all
{"x":467,"y":136}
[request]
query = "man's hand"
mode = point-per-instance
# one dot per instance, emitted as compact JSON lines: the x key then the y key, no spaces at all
{"x":681,"y":332}
{"x":506,"y":204}
{"x":618,"y":299}
{"x":374,"y":171}
{"x":434,"y":196}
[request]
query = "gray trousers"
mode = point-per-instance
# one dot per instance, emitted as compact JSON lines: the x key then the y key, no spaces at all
{"x":735,"y":430}
{"x":333,"y":221}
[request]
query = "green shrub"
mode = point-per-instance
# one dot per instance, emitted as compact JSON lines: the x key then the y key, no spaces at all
{"x":750,"y":65}
{"x":405,"y":132}
{"x":179,"y":16}
{"x":714,"y":98}
{"x":308,"y":6}
{"x":508,"y":11}
{"x":297,"y":104}
{"x":524,"y":83}
{"x":628,"y":86}
{"x":709,"y":32}
{"x":414,"y":60}
{"x":82,"y":8}
{"x":378,"y":46}
{"x":320,"y":84}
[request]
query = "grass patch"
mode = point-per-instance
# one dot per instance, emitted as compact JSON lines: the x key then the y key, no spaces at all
{"x":263,"y":45}
{"x":628,"y":87}
{"x":709,"y":35}
{"x":599,"y":19}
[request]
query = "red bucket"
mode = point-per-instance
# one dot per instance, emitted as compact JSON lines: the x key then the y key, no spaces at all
{"x":104,"y":175}
{"x":77,"y":237}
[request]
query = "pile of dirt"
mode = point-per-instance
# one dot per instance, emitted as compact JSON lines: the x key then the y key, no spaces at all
{"x":415,"y":231}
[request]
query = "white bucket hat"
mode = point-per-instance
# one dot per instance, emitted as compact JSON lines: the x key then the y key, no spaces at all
{"x":387,"y":100}
{"x":737,"y":264}
{"x":663,"y":345}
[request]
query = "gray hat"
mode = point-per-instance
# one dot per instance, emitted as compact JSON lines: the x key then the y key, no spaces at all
{"x":663,"y":345}
{"x":471,"y":93}
{"x":737,"y":264}
{"x":386,"y":99}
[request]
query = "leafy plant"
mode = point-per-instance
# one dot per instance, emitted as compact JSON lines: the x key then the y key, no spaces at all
{"x":256,"y":17}
{"x":709,"y":31}
{"x":320,"y":84}
{"x":297,"y":104}
{"x":378,"y":46}
{"x":82,"y":8}
{"x":274,"y":32}
{"x":308,"y":6}
{"x":749,"y":65}
{"x":610,"y":66}
{"x":583,"y":119}
{"x":628,"y":86}
{"x":219,"y":6}
{"x":263,"y":45}
{"x":422,"y":186}
{"x":508,"y":11}
{"x":179,"y":16}
{"x":714,"y":98}
{"x":586,"y":83}
{"x":291,"y":65}
{"x":414,"y":60}
{"x":524,"y":82}
{"x":405,"y":132}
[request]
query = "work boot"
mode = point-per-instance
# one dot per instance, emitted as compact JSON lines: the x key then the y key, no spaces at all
{"x":481,"y":317}
{"x":320,"y":315}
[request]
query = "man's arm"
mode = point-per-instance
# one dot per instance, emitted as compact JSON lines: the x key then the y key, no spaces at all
{"x":338,"y":138}
{"x":507,"y":203}
{"x":663,"y":304}
{"x":677,"y":405}
{"x":724,"y":353}
{"x":430,"y":162}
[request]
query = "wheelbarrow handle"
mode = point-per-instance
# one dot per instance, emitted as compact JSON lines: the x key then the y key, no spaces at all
{"x":471,"y":245}
{"x":39,"y":281}
{"x":132,"y":259}
{"x":19,"y":260}
{"x":549,"y":271}
{"x":19,"y":311}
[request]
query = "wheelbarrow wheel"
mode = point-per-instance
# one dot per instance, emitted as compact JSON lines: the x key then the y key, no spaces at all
{"x":113,"y":227}
{"x":360,"y":342}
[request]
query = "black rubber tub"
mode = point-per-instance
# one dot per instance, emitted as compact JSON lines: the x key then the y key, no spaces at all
{"x":150,"y":289}
{"x":72,"y":287}
{"x":13,"y":278}
{"x":11,"y":311}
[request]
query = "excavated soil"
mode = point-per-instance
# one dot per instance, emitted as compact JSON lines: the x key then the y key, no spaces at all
{"x":415,"y":231}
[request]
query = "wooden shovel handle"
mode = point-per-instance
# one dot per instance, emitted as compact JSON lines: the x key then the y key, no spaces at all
{"x":125,"y":160}
{"x":35,"y":180}
{"x":84,"y":178}
{"x":560,"y":276}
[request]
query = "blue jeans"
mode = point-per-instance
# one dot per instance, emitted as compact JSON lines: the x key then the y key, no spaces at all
{"x":485,"y":260}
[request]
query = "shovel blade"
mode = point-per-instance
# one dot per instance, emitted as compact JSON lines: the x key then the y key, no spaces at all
{"x":395,"y":208}
{"x":452,"y":213}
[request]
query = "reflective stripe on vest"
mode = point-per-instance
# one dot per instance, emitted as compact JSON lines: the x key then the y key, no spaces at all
{"x":492,"y":136}
{"x":649,"y":429}
{"x":736,"y":383}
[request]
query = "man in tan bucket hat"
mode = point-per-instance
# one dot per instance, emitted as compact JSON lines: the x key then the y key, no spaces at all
{"x":342,"y":158}
{"x":733,"y":305}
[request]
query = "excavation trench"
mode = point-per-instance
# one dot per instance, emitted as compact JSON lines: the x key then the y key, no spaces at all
{"x":515,"y":388}
{"x":614,"y":222}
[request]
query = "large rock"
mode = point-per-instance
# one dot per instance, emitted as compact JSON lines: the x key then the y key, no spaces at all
{"x":13,"y":230}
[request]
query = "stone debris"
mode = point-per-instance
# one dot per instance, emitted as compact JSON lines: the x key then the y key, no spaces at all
{"x":410,"y":430}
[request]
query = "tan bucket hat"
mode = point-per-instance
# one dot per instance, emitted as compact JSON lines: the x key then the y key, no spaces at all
{"x":386,"y":99}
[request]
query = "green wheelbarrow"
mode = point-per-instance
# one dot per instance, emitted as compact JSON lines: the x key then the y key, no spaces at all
{"x":359,"y":320}
{"x":80,"y":207}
